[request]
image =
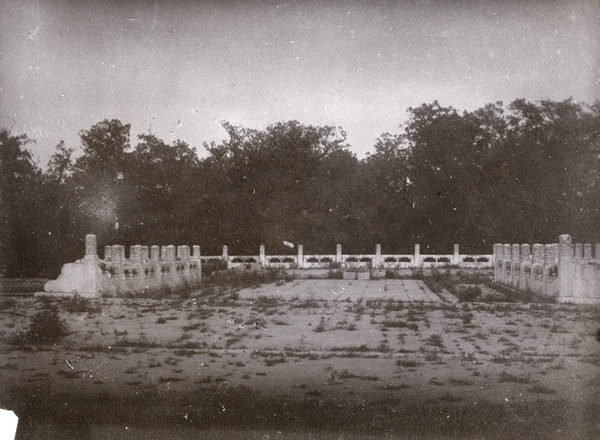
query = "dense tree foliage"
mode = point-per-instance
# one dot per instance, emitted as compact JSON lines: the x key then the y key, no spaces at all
{"x":523,"y":173}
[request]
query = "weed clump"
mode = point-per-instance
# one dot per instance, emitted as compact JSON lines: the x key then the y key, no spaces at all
{"x":468,"y":293}
{"x":335,"y":274}
{"x":437,"y":282}
{"x":46,"y":328}
{"x":79,"y":304}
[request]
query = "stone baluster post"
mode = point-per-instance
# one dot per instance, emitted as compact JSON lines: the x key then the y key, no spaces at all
{"x":185,"y":258}
{"x":578,"y":250}
{"x":549,"y":261}
{"x":135,"y":254}
{"x":171,"y":260}
{"x":515,"y":254}
{"x":525,"y":256}
{"x":170,"y":257}
{"x":196,"y":252}
{"x":338,"y":253}
{"x":456,"y":255}
{"x":89,"y":286}
{"x":261,"y":255}
{"x":155,"y":254}
{"x":226,"y":255}
{"x":495,"y":258}
{"x":506,"y":252}
{"x":587,"y":251}
{"x":417,"y":255}
{"x":549,"y":258}
{"x":497,"y":252}
{"x":155,"y":257}
{"x":377,"y":261}
{"x":515,"y":262}
{"x":300,"y":256}
{"x":525,"y":252}
{"x":118,"y":255}
{"x":506,"y":256}
{"x":565,"y":268}
{"x":107,"y":253}
{"x":197,"y":257}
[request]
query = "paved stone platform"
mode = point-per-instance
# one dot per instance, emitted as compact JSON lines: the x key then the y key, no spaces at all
{"x":397,"y":290}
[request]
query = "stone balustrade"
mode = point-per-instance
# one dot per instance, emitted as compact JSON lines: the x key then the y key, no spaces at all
{"x":146,"y":268}
{"x":378,"y":260}
{"x":564,"y":271}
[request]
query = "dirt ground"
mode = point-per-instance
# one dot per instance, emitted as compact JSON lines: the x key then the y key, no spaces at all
{"x":305,"y":359}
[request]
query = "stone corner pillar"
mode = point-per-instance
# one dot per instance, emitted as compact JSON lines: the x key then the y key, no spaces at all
{"x":90,"y":245}
{"x":338,"y":253}
{"x":456,"y":255}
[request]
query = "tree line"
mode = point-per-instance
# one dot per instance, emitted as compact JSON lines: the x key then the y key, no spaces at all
{"x":521,"y":173}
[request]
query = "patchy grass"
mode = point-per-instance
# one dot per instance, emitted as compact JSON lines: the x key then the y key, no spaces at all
{"x":506,"y":377}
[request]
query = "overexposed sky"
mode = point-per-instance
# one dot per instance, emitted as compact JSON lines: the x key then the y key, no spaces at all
{"x":179,"y":68}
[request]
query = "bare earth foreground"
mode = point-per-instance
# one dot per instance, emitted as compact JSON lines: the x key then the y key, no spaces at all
{"x":305,"y":359}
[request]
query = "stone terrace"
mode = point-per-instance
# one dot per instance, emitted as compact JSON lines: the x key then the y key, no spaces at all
{"x":340,"y":290}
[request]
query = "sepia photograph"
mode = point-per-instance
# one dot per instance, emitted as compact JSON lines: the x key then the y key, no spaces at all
{"x":300,"y":219}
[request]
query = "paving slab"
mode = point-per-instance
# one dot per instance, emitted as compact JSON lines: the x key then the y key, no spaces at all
{"x":340,"y":290}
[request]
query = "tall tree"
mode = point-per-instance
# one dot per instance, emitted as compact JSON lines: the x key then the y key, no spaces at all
{"x":549,"y":165}
{"x":100,"y":191}
{"x":387,"y":197}
{"x":448,"y":153}
{"x":20,"y":216}
{"x":266,"y":180}
{"x":166,"y":182}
